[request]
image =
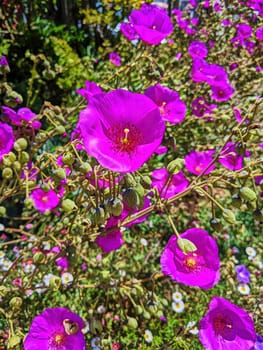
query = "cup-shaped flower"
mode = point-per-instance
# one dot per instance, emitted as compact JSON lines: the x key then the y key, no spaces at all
{"x":56,"y":329}
{"x":113,"y":239}
{"x":7,"y":139}
{"x":90,"y":90}
{"x":22,"y":116}
{"x":197,"y":49}
{"x":115,"y":59}
{"x":229,"y":157}
{"x":222,"y":92}
{"x":226,"y":327}
{"x":44,"y":201}
{"x":172,"y":109}
{"x":198,"y":268}
{"x":151,"y":23}
{"x":121,"y":129}
{"x":200,"y":107}
{"x":197,"y":162}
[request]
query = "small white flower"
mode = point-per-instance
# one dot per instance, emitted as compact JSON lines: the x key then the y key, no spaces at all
{"x":95,"y":343}
{"x":251,"y":252}
{"x":2,"y":254}
{"x":243,"y":288}
{"x":177,"y":296}
{"x":191,"y":327}
{"x":47,"y":278}
{"x":6,"y":264}
{"x":101,"y":309}
{"x":86,"y":328}
{"x":148,"y":336}
{"x":29,"y":268}
{"x":122,"y":273}
{"x":144,"y":242}
{"x":46,"y":245}
{"x":2,"y":227}
{"x":178,"y":306}
{"x":66,"y":278}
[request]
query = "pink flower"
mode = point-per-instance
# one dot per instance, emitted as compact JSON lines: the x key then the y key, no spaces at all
{"x":197,"y":49}
{"x":128,"y":31}
{"x":172,"y":109}
{"x":259,"y":33}
{"x":22,"y":116}
{"x":222,"y":92}
{"x":229,"y":157}
{"x":115,"y":59}
{"x":44,"y":201}
{"x":91,"y":89}
{"x":113,"y":239}
{"x":7,"y":139}
{"x":121,"y":129}
{"x":196,"y":162}
{"x":198,"y":268}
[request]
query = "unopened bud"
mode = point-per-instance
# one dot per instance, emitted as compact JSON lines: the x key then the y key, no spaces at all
{"x":128,"y":181}
{"x":2,"y":211}
{"x":229,"y":216}
{"x":85,"y":168}
{"x":59,"y":174}
{"x":97,"y":216}
{"x":7,"y":173}
{"x":68,"y":205}
{"x":24,"y":157}
{"x":20,"y":144}
{"x":247,"y":194}
{"x":39,"y":257}
{"x":138,"y":310}
{"x":236,"y":201}
{"x":146,"y":181}
{"x":116,"y":207}
{"x":216,"y":224}
{"x":11,"y":156}
{"x":13,"y":341}
{"x":68,"y":158}
{"x":17,"y":165}
{"x":95,"y":326}
{"x":60,"y":129}
{"x":175,"y":166}
{"x":131,"y":198}
{"x":132,"y":322}
{"x":15,"y":303}
{"x":55,"y":283}
{"x":185,"y":245}
{"x":146,"y":315}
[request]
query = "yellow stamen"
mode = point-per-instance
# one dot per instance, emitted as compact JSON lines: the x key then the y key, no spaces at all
{"x":126,"y":132}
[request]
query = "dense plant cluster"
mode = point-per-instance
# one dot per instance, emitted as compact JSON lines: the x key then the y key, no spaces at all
{"x":131,"y":176}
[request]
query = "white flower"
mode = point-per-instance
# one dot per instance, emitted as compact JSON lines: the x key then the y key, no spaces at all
{"x":251,"y":252}
{"x":178,"y":306}
{"x":144,"y":242}
{"x":66,"y":278}
{"x":86,"y":328}
{"x":2,"y":227}
{"x":191,"y":327}
{"x":148,"y":336}
{"x":122,"y":273}
{"x":47,"y":278}
{"x":2,"y":254}
{"x":177,"y":296}
{"x":101,"y":309}
{"x":46,"y":245}
{"x":243,"y":288}
{"x":95,"y":343}
{"x":6,"y":264}
{"x":29,"y":268}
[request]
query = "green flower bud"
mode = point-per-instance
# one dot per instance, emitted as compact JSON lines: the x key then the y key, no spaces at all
{"x":116,"y":207}
{"x":2,"y":211}
{"x":132,"y":322}
{"x":60,"y":129}
{"x":68,"y":158}
{"x":139,"y":189}
{"x":236,"y":201}
{"x":17,"y":165}
{"x":247,"y":194}
{"x":68,"y":205}
{"x":146,"y":181}
{"x":28,"y":202}
{"x":24,"y":157}
{"x":216,"y":224}
{"x":138,"y":310}
{"x":185,"y":245}
{"x":175,"y":166}
{"x":20,"y":144}
{"x":7,"y":173}
{"x":39,"y":257}
{"x":49,"y":74}
{"x":85,"y":168}
{"x":11,"y":99}
{"x":128,"y":181}
{"x":229,"y":216}
{"x":3,"y":291}
{"x":97,"y":216}
{"x":59,"y":174}
{"x":131,"y":198}
{"x":13,"y":341}
{"x":251,"y":205}
{"x":146,"y":315}
{"x":6,"y":161}
{"x":15,"y":303}
{"x":11,"y":156}
{"x":55,"y":283}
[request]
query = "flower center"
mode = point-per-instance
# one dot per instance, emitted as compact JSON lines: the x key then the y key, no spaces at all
{"x":56,"y":342}
{"x":153,"y":27}
{"x":191,"y":262}
{"x":44,"y":199}
{"x":125,"y":138}
{"x":221,"y":324}
{"x":199,"y":168}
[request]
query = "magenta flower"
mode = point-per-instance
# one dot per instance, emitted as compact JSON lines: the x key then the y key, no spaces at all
{"x":151,"y":23}
{"x":91,"y":89}
{"x":22,"y":116}
{"x":3,"y":61}
{"x":197,"y":49}
{"x":243,"y":275}
{"x":121,"y":129}
{"x":115,"y":59}
{"x":172,"y":109}
{"x":198,"y":268}
{"x":56,"y":329}
{"x":229,"y":157}
{"x":7,"y":139}
{"x":44,"y":201}
{"x":112,"y":240}
{"x":177,"y":184}
{"x":128,"y":31}
{"x":197,"y":162}
{"x":259,"y":33}
{"x":222,"y":92}
{"x":226,"y":327}
{"x":201,"y":108}
{"x":244,"y":31}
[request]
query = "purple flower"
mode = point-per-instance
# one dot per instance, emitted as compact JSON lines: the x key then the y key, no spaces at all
{"x":259,"y":33}
{"x":121,"y":129}
{"x":200,"y":107}
{"x":229,"y":157}
{"x":222,"y":92}
{"x":91,"y":89}
{"x":177,"y":184}
{"x":203,"y":71}
{"x":244,"y":31}
{"x":197,"y":49}
{"x":3,"y":61}
{"x":56,"y":329}
{"x":7,"y":139}
{"x":115,"y":59}
{"x":259,"y":342}
{"x":22,"y":116}
{"x":198,"y":268}
{"x":227,"y":327}
{"x":112,"y":240}
{"x":128,"y":31}
{"x":44,"y":201}
{"x":172,"y":109}
{"x":233,"y":66}
{"x":151,"y":23}
{"x":196,"y":162}
{"x":243,"y":275}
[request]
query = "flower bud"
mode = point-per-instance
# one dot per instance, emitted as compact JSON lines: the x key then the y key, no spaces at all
{"x":7,"y":173}
{"x":185,"y":245}
{"x":95,"y":326}
{"x":236,"y":201}
{"x":132,"y":322}
{"x":139,"y":189}
{"x":85,"y":168}
{"x":138,"y":310}
{"x":3,"y":291}
{"x":175,"y":166}
{"x":11,"y":156}
{"x":59,"y":174}
{"x":15,"y":303}
{"x":146,"y":315}
{"x":2,"y":211}
{"x":13,"y":341}
{"x":55,"y":283}
{"x":60,"y":129}
{"x":68,"y":205}
{"x":20,"y":144}
{"x":116,"y":207}
{"x":131,"y":198}
{"x":39,"y":257}
{"x":146,"y":181}
{"x":128,"y":181}
{"x":97,"y":216}
{"x":68,"y":158}
{"x":229,"y":216}
{"x":17,"y":165}
{"x":216,"y":224}
{"x":247,"y":194}
{"x":24,"y":157}
{"x":7,"y":161}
